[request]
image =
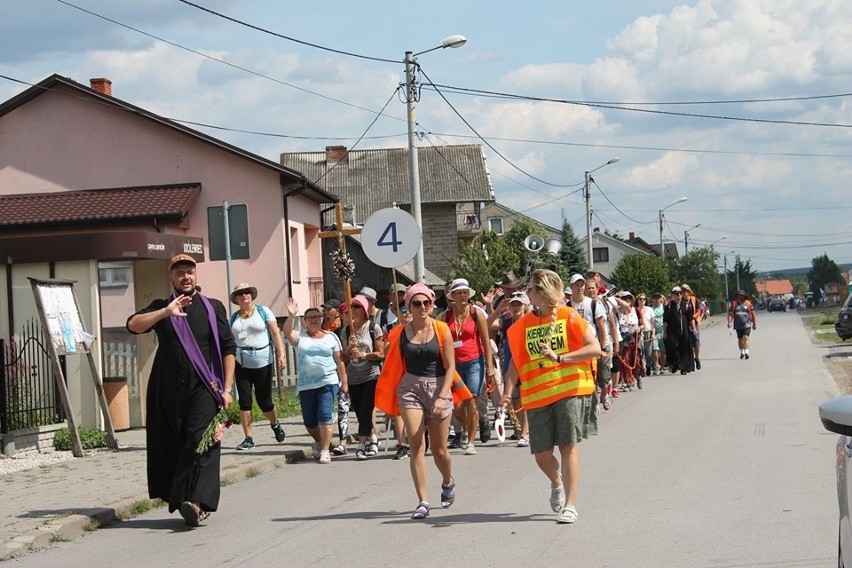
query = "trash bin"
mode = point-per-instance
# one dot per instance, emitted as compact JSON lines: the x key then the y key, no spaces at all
{"x":118,"y":402}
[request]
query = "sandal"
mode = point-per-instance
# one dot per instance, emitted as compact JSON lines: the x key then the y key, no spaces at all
{"x":422,"y":511}
{"x":203,"y":515}
{"x":448,"y":493}
{"x":557,"y":497}
{"x":191,"y":513}
{"x":568,"y":516}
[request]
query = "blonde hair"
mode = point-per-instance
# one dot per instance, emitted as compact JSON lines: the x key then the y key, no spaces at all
{"x":551,"y":286}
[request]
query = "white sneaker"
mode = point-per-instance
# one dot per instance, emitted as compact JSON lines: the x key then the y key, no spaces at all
{"x":470,"y":450}
{"x":325,"y":456}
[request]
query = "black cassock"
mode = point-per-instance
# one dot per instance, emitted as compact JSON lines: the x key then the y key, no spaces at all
{"x":179,"y":409}
{"x":679,"y":355}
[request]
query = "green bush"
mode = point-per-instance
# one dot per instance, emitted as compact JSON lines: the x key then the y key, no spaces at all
{"x":89,"y":439}
{"x":284,"y":407}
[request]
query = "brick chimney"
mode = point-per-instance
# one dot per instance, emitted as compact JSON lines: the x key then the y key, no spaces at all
{"x":596,"y":230}
{"x":632,"y":235}
{"x":336,"y":155}
{"x":101,"y":85}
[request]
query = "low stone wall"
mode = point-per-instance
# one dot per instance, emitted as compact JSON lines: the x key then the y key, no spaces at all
{"x":39,"y":439}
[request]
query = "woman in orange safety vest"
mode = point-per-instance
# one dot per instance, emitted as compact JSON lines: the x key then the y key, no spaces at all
{"x":552,"y":351}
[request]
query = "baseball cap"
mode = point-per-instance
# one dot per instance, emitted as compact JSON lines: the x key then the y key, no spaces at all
{"x":520,"y":297}
{"x":181,"y":258}
{"x":677,"y":289}
{"x":576,"y":278}
{"x":333,"y":303}
{"x":397,"y":288}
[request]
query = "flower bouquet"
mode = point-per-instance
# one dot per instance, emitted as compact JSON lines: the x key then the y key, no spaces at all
{"x":342,"y":264}
{"x":214,"y":431}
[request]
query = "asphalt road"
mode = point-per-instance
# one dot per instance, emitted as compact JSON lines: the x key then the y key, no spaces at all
{"x":727,"y":467}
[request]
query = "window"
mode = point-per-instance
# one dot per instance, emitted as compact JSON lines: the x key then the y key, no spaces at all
{"x":496,"y":224}
{"x":115,"y":277}
{"x":600,"y":254}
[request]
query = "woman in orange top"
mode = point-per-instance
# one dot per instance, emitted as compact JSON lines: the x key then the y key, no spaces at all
{"x":552,"y":351}
{"x":416,"y":382}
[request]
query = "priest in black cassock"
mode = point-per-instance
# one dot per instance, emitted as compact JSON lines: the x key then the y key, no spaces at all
{"x":678,"y":321}
{"x":191,"y":379}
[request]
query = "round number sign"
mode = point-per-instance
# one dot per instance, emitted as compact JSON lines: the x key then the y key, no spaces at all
{"x":390,"y":237}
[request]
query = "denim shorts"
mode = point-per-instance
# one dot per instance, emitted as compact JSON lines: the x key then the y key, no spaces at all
{"x":473,"y":374}
{"x":318,"y":406}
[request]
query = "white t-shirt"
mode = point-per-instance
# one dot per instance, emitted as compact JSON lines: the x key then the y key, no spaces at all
{"x":254,"y":349}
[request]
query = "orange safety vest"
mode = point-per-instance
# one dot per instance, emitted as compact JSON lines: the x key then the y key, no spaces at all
{"x":544,"y":382}
{"x":393,"y":368}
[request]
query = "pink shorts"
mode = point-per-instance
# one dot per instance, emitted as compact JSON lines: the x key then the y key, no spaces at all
{"x":421,"y":393}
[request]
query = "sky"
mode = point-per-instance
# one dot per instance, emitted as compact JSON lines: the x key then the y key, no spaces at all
{"x":744,"y":107}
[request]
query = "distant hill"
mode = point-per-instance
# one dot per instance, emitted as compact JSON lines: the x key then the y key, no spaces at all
{"x":799,"y":272}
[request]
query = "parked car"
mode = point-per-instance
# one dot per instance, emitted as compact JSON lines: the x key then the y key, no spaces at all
{"x":777,"y":305}
{"x":836,"y":416}
{"x":843,"y":327}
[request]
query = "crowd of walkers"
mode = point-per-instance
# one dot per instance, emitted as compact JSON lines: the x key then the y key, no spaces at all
{"x":542,"y":356}
{"x":448,"y":377}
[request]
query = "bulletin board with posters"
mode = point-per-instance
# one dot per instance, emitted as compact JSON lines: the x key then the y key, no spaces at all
{"x":59,"y":312}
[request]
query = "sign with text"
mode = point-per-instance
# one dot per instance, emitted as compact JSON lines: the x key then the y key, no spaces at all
{"x":390,"y":237}
{"x":237,"y":231}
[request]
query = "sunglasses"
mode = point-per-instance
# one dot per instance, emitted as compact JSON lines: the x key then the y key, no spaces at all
{"x":243,"y":293}
{"x":357,"y":307}
{"x":420,"y":303}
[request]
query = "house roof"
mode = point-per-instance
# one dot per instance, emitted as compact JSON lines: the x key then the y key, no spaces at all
{"x":164,"y":203}
{"x":642,"y":244}
{"x":376,"y":179}
{"x":625,"y":245}
{"x":774,"y":287}
{"x":54,"y":82}
{"x":494,"y":207}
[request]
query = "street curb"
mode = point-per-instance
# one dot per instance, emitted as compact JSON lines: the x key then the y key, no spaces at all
{"x":77,"y":522}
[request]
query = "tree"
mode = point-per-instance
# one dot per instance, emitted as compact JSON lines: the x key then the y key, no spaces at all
{"x":823,"y":271}
{"x":642,"y":273}
{"x":514,"y":237}
{"x":572,"y":254}
{"x":743,"y":274}
{"x":699,"y":269}
{"x":484,"y":260}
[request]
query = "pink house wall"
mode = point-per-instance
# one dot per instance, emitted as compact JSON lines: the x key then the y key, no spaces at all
{"x":57,"y":142}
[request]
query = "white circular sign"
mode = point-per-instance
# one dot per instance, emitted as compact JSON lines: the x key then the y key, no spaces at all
{"x":390,"y":237}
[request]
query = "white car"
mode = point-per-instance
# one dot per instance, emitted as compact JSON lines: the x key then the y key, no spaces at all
{"x":836,"y":416}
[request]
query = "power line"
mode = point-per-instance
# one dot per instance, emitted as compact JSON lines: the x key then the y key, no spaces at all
{"x":617,"y":106}
{"x":218,"y":60}
{"x":486,"y":142}
{"x":288,"y":38}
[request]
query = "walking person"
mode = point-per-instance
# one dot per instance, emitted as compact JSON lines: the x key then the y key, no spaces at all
{"x":677,"y":323}
{"x":516,"y":306}
{"x":320,"y":375}
{"x":741,"y":319}
{"x":191,"y":379}
{"x":603,"y":378}
{"x":256,"y":333}
{"x":695,"y":329}
{"x":648,"y":333}
{"x":363,"y":353}
{"x":468,"y":325}
{"x":659,"y":347}
{"x":552,"y":351}
{"x":417,"y":382}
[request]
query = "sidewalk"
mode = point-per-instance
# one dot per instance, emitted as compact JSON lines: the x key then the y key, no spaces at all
{"x":60,"y":501}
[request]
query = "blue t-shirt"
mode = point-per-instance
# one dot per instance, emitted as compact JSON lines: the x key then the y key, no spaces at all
{"x":317,"y":367}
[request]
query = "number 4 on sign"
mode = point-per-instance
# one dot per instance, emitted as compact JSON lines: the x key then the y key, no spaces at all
{"x":393,"y":242}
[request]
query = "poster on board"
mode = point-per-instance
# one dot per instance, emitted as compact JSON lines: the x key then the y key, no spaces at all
{"x":63,"y":319}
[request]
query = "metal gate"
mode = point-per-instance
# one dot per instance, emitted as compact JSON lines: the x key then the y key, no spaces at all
{"x":28,"y":396}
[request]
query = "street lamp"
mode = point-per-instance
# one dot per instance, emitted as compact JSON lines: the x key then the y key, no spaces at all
{"x":588,"y":196}
{"x":413,"y":162}
{"x":725,"y":265}
{"x":718,"y":241}
{"x":662,"y":251}
{"x":686,"y":238}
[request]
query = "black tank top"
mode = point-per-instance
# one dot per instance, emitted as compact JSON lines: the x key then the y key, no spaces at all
{"x":422,"y":359}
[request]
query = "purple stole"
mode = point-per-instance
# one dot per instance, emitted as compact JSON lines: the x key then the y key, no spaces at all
{"x":211,"y":375}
